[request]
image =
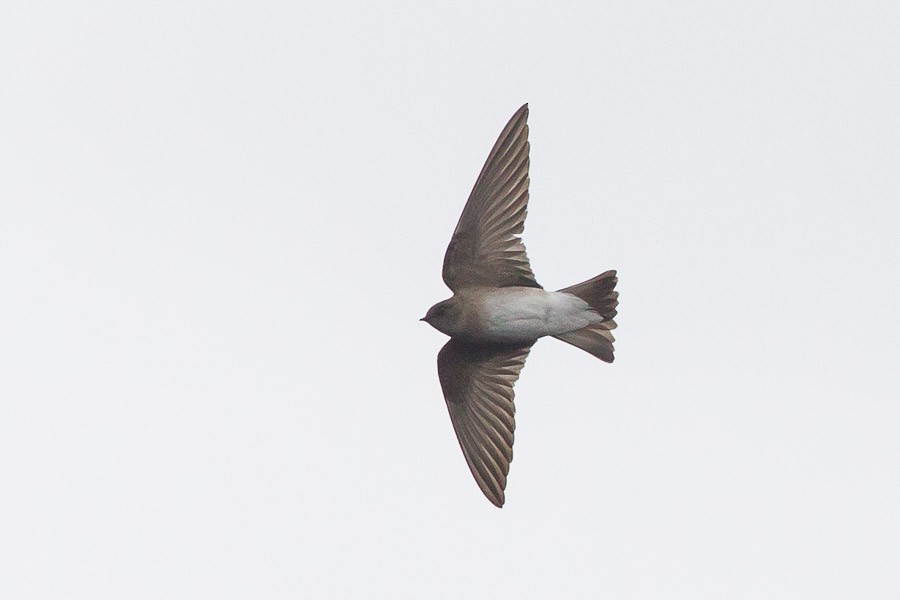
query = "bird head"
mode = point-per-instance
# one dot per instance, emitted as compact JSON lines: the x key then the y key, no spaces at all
{"x":442,"y":316}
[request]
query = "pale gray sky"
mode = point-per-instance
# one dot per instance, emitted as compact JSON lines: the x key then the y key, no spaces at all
{"x":220,"y":222}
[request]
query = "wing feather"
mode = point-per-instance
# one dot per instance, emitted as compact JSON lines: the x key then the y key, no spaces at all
{"x":478,"y":384}
{"x":486,"y":248}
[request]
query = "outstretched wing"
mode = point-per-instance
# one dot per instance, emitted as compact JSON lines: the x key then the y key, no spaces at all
{"x":485,"y":248}
{"x":477,"y":381}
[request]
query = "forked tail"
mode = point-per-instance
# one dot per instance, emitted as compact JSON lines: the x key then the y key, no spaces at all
{"x":599,"y":292}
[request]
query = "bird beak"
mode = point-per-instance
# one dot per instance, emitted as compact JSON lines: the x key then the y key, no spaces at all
{"x":422,"y":319}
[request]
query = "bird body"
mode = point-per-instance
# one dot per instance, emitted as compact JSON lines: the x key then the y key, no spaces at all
{"x":498,"y":311}
{"x":510,"y":315}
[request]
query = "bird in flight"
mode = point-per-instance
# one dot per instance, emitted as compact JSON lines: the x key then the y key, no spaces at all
{"x":498,"y":311}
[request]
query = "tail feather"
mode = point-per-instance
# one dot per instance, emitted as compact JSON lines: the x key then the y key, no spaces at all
{"x":599,"y":292}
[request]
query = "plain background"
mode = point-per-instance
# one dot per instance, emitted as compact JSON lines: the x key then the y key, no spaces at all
{"x":221,"y":221}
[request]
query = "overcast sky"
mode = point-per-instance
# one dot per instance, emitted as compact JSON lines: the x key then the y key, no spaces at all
{"x":221,"y":221}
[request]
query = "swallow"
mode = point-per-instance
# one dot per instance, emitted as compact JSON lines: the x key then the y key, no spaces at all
{"x":498,"y":311}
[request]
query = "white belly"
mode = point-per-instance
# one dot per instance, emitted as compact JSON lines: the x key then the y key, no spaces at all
{"x":525,"y":314}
